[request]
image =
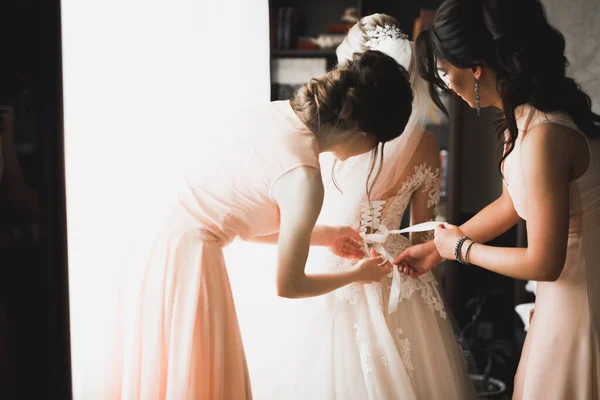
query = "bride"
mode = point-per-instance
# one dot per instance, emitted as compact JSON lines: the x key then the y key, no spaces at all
{"x":393,"y":339}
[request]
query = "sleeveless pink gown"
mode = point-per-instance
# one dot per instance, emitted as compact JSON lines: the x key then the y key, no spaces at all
{"x":561,"y":355}
{"x":181,"y":338}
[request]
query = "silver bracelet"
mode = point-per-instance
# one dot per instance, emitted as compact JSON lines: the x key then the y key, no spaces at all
{"x":467,"y":253}
{"x":458,"y":249}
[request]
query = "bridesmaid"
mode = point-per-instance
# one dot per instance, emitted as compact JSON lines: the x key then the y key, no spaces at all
{"x":505,"y":54}
{"x":180,"y":329}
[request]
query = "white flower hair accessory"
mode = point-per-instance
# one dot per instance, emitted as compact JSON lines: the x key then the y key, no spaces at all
{"x":382,"y":33}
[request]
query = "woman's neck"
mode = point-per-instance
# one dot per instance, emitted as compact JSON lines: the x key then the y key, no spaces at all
{"x":498,"y":104}
{"x":326,"y":140}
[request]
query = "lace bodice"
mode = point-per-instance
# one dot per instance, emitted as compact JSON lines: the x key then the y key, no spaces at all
{"x":387,"y":214}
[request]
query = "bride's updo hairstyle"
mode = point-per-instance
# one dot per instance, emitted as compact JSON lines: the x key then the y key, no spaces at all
{"x":513,"y":38}
{"x":361,"y":95}
{"x":358,"y":36}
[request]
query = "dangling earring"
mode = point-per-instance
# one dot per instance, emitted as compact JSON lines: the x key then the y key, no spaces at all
{"x":477,"y":96}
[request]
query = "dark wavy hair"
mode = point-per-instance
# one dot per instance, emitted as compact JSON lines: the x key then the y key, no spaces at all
{"x":514,"y":38}
{"x":363,"y":95}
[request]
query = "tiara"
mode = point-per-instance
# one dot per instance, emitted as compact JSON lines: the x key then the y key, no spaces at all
{"x":381,"y":33}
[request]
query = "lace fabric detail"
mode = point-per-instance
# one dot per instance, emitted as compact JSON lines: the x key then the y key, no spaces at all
{"x":426,"y":178}
{"x":389,"y":213}
{"x":350,"y":293}
{"x":429,"y":236}
{"x":404,"y":348}
{"x":427,"y":284}
{"x":363,"y":352}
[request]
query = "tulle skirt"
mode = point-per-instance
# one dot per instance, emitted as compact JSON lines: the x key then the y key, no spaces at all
{"x":352,"y":350}
{"x":344,"y":345}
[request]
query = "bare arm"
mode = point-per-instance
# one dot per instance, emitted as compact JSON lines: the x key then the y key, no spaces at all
{"x":425,"y":198}
{"x":319,"y":237}
{"x":493,"y":220}
{"x":343,"y":241}
{"x":546,"y":169}
{"x":299,"y":195}
{"x":489,"y":223}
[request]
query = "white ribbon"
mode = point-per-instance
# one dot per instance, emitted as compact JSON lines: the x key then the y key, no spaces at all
{"x":378,"y":238}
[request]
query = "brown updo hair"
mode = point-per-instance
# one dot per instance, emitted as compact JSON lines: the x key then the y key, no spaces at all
{"x":361,"y":95}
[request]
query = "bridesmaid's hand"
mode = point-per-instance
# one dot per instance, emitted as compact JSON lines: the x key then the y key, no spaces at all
{"x":373,"y":269}
{"x":343,"y":241}
{"x":446,"y":237}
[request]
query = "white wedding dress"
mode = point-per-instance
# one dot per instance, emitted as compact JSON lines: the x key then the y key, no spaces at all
{"x":351,"y":348}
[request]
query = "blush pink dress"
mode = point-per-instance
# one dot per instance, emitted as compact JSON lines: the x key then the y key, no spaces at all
{"x":181,"y":338}
{"x":561,"y":355}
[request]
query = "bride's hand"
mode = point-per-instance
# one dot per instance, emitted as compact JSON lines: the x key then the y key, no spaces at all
{"x":418,"y":259}
{"x":343,"y":241}
{"x":373,"y":269}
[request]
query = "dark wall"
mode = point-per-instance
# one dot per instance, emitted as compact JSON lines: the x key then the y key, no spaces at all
{"x":34,"y":342}
{"x":314,"y":23}
{"x":404,"y":11}
{"x":481,"y":151}
{"x":480,"y":184}
{"x":330,"y":11}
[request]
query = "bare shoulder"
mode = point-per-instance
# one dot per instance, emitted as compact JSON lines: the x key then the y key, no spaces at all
{"x":547,"y":149}
{"x":428,"y":150}
{"x":429,"y":143}
{"x":302,"y":183}
{"x":547,"y":138}
{"x":429,"y":139}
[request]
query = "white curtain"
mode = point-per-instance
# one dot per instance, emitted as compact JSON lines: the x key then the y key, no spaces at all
{"x":146,"y":83}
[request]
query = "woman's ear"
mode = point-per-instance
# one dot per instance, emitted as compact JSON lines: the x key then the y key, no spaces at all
{"x":477,"y":71}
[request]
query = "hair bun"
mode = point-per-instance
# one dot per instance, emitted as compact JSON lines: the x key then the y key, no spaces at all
{"x":370,"y":93}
